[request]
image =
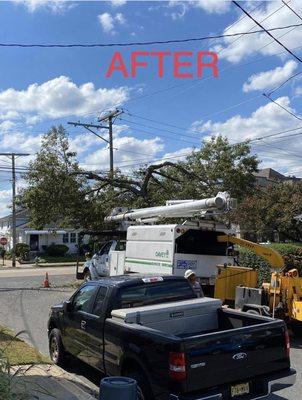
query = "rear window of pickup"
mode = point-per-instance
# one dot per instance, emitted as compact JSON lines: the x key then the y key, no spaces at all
{"x":154,"y":293}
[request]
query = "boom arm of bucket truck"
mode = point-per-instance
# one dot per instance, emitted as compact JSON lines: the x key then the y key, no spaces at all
{"x":177,"y":209}
{"x":271,"y":256}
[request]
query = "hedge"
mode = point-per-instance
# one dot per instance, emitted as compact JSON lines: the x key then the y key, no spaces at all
{"x":291,"y":253}
{"x":56,"y":249}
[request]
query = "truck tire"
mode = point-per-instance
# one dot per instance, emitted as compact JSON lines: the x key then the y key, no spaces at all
{"x":57,"y":352}
{"x":87,"y":276}
{"x":144,"y":391}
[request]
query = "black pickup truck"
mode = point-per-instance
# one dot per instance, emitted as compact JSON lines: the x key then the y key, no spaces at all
{"x":175,"y":345}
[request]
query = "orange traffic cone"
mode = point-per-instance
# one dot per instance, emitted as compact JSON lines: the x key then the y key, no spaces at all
{"x":46,"y":281}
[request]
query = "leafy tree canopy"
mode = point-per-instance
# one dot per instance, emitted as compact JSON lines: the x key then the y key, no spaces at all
{"x":54,"y":194}
{"x":272,"y":210}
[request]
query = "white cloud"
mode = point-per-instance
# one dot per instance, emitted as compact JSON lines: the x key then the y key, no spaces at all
{"x":177,"y":155}
{"x":276,"y":152}
{"x":120,"y":18}
{"x":128,"y":150}
{"x":270,"y":79}
{"x":118,"y":3}
{"x":6,"y":125}
{"x":236,"y":49}
{"x":55,"y":6}
{"x":212,"y":6}
{"x":109,"y":21}
{"x":209,"y":6}
{"x":57,"y":98}
{"x":24,"y":142}
{"x":6,"y":199}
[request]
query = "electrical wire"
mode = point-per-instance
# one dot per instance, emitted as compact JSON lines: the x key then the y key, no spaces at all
{"x":286,"y":4}
{"x":283,"y":83}
{"x":149,"y":43}
{"x":267,"y":31}
{"x":282,"y":107}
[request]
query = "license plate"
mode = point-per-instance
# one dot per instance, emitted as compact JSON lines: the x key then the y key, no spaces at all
{"x":240,"y":389}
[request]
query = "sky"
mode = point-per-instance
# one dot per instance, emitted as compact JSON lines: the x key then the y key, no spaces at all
{"x":163,"y":117}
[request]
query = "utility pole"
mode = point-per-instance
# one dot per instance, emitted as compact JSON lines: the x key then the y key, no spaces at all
{"x":110,"y":117}
{"x":14,"y":218}
{"x":110,"y":145}
{"x":14,"y":211}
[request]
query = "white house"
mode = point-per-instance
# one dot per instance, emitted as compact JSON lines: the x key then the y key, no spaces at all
{"x":37,"y":239}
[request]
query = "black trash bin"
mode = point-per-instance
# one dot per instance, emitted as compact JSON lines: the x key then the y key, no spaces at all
{"x":118,"y":388}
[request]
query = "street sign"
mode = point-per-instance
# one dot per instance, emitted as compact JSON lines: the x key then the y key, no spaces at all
{"x":3,"y":241}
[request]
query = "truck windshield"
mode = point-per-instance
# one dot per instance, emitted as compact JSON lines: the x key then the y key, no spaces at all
{"x":200,"y":242}
{"x":154,"y":293}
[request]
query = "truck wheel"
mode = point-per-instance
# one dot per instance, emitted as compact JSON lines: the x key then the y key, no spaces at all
{"x":87,"y":276}
{"x":56,"y":350}
{"x":144,"y":391}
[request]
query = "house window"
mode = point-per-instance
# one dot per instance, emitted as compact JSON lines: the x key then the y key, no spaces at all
{"x":65,"y":237}
{"x":73,"y":237}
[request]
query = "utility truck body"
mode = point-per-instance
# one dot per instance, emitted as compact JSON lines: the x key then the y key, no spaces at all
{"x":172,"y":249}
{"x":169,"y":249}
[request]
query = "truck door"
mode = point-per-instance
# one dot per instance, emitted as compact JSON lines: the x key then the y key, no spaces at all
{"x":101,"y":261}
{"x":94,"y":331}
{"x":74,"y":338}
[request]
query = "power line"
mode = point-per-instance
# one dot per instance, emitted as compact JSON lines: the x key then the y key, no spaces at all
{"x":281,"y":106}
{"x":283,"y":83}
{"x":163,"y":136}
{"x":254,"y":26}
{"x":267,"y":31}
{"x":126,"y":44}
{"x":286,"y":4}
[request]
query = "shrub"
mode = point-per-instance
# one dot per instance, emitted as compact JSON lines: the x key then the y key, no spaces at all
{"x":291,"y":253}
{"x":56,"y":250}
{"x":22,"y":249}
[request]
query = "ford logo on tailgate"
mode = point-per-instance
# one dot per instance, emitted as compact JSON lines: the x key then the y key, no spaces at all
{"x":239,"y":356}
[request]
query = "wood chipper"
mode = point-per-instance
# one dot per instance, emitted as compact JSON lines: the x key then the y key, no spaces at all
{"x":281,"y":297}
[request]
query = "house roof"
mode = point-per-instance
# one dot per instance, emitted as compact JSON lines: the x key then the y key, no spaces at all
{"x":21,"y":214}
{"x":270,"y":173}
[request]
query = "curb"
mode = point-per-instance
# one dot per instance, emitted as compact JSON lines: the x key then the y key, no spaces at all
{"x":56,"y":382}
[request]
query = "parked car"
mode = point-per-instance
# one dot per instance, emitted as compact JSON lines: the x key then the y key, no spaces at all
{"x":176,"y":346}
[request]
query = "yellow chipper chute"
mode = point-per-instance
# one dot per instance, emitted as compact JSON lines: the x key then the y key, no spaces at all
{"x":284,"y":289}
{"x":229,"y":277}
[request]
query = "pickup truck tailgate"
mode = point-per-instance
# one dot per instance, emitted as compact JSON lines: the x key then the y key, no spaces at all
{"x":235,"y":355}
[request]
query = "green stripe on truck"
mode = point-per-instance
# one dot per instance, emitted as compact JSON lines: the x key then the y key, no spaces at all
{"x":157,"y":264}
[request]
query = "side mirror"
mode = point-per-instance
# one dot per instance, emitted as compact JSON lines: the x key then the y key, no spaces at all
{"x":67,"y":307}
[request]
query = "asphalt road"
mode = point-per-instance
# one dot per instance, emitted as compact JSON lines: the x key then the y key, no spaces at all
{"x":25,"y":307}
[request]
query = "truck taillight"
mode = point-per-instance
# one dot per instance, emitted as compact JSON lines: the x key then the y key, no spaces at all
{"x":287,"y":343}
{"x":177,"y":366}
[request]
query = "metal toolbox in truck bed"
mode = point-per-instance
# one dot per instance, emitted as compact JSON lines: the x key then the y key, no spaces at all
{"x":179,"y":317}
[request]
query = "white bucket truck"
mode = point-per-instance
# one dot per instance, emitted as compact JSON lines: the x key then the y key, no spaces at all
{"x":171,"y":248}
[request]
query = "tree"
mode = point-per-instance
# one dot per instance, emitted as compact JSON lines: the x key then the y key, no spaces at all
{"x":217,"y":166}
{"x":221,"y":166}
{"x":272,"y":210}
{"x":54,"y":193}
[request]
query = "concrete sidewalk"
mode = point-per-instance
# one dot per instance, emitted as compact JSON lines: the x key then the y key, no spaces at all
{"x":8,"y":265}
{"x":49,"y":382}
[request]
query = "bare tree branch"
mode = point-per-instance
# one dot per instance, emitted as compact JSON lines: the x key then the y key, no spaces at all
{"x":137,"y":187}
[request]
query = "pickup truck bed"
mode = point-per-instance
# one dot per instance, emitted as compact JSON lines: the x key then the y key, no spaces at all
{"x":176,"y":346}
{"x":220,"y":345}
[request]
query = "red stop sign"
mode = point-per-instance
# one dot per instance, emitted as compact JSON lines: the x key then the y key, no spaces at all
{"x":3,"y":241}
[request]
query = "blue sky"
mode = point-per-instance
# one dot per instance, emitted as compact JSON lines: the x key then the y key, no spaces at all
{"x":43,"y":87}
